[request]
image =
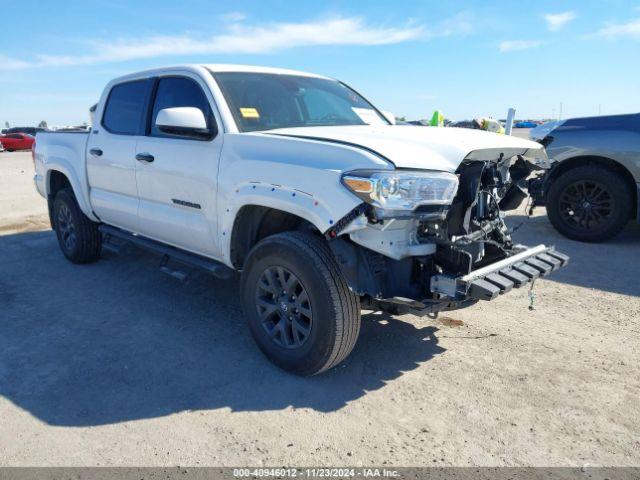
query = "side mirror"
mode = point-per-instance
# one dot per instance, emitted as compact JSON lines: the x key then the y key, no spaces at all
{"x":389,"y":116}
{"x":183,"y":121}
{"x":92,"y":113}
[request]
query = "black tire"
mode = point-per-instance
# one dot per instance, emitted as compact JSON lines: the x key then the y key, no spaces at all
{"x":334,"y":321}
{"x":590,"y":203}
{"x":78,"y":237}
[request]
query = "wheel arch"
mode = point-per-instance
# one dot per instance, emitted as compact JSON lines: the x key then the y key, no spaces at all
{"x":579,"y":161}
{"x":255,"y":222}
{"x":57,"y":181}
{"x":247,"y":202}
{"x":58,"y":176}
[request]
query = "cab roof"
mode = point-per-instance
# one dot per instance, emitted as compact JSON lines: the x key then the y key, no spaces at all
{"x":217,"y":67}
{"x":214,"y":68}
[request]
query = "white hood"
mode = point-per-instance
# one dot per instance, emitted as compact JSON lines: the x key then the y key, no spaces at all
{"x":429,"y":148}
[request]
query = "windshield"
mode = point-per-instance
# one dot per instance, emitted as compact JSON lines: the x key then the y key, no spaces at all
{"x":264,"y":101}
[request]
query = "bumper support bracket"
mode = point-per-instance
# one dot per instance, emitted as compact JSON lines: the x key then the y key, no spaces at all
{"x":493,"y":280}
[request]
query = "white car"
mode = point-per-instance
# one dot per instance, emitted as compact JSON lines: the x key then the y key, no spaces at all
{"x":301,"y":185}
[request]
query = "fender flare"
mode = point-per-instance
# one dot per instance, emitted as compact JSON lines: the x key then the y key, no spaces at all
{"x":317,"y":211}
{"x":63,"y":166}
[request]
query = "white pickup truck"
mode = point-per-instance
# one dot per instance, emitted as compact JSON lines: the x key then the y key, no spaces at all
{"x":305,"y":188}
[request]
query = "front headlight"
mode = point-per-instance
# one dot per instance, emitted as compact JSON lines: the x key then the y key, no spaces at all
{"x":402,"y":189}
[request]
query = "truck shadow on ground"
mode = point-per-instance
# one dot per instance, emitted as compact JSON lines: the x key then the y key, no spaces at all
{"x":611,"y":266}
{"x":118,"y":340}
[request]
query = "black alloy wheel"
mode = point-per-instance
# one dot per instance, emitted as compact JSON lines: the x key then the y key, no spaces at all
{"x":66,"y":228}
{"x":590,"y":203}
{"x":586,"y":204}
{"x":297,"y":303}
{"x":78,"y":236}
{"x":284,"y":307}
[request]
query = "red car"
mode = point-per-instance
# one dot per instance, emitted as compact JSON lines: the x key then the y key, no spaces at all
{"x":16,"y":141}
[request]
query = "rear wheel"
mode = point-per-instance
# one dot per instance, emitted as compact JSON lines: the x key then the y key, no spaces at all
{"x":299,"y":308}
{"x":78,"y":237}
{"x":591,"y":203}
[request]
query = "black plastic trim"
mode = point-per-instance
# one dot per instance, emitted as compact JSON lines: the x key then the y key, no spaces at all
{"x":208,"y":265}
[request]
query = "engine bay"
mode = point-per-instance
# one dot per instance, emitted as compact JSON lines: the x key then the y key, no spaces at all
{"x":474,"y":233}
{"x":446,"y":242}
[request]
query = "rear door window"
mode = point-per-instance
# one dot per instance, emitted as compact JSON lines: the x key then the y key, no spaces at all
{"x":125,"y":108}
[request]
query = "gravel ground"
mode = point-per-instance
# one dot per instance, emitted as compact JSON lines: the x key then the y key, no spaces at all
{"x":115,"y":363}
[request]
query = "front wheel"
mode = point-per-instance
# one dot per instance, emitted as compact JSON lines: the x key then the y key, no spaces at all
{"x":590,"y":203}
{"x":78,"y":237}
{"x":299,"y":308}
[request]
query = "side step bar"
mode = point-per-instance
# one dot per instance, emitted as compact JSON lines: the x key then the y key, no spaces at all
{"x":168,"y":253}
{"x":488,"y":282}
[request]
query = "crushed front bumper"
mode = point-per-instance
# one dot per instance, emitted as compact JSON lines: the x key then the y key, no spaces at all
{"x":488,"y":282}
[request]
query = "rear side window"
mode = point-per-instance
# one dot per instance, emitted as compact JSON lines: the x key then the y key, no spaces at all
{"x":179,"y":92}
{"x":124,"y":109}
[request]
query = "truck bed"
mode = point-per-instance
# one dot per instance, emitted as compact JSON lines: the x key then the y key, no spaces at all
{"x":67,"y":151}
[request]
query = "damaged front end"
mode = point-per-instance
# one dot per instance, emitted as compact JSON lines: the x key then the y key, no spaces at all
{"x":444,"y":255}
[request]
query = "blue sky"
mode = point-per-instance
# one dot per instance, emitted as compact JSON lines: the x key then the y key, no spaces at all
{"x":467,"y":58}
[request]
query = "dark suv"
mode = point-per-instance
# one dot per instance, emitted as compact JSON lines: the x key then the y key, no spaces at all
{"x":593,"y":186}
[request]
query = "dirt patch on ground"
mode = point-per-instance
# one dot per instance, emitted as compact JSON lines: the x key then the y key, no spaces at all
{"x":29,"y":224}
{"x":450,"y":322}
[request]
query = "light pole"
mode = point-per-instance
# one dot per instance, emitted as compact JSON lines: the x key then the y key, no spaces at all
{"x":509,"y":124}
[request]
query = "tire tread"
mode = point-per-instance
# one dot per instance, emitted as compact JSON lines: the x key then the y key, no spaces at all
{"x":89,"y":237}
{"x":620,"y":187}
{"x":345,"y":303}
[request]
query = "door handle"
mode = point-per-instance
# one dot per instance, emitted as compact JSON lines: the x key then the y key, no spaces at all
{"x":145,"y":157}
{"x":96,"y":152}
